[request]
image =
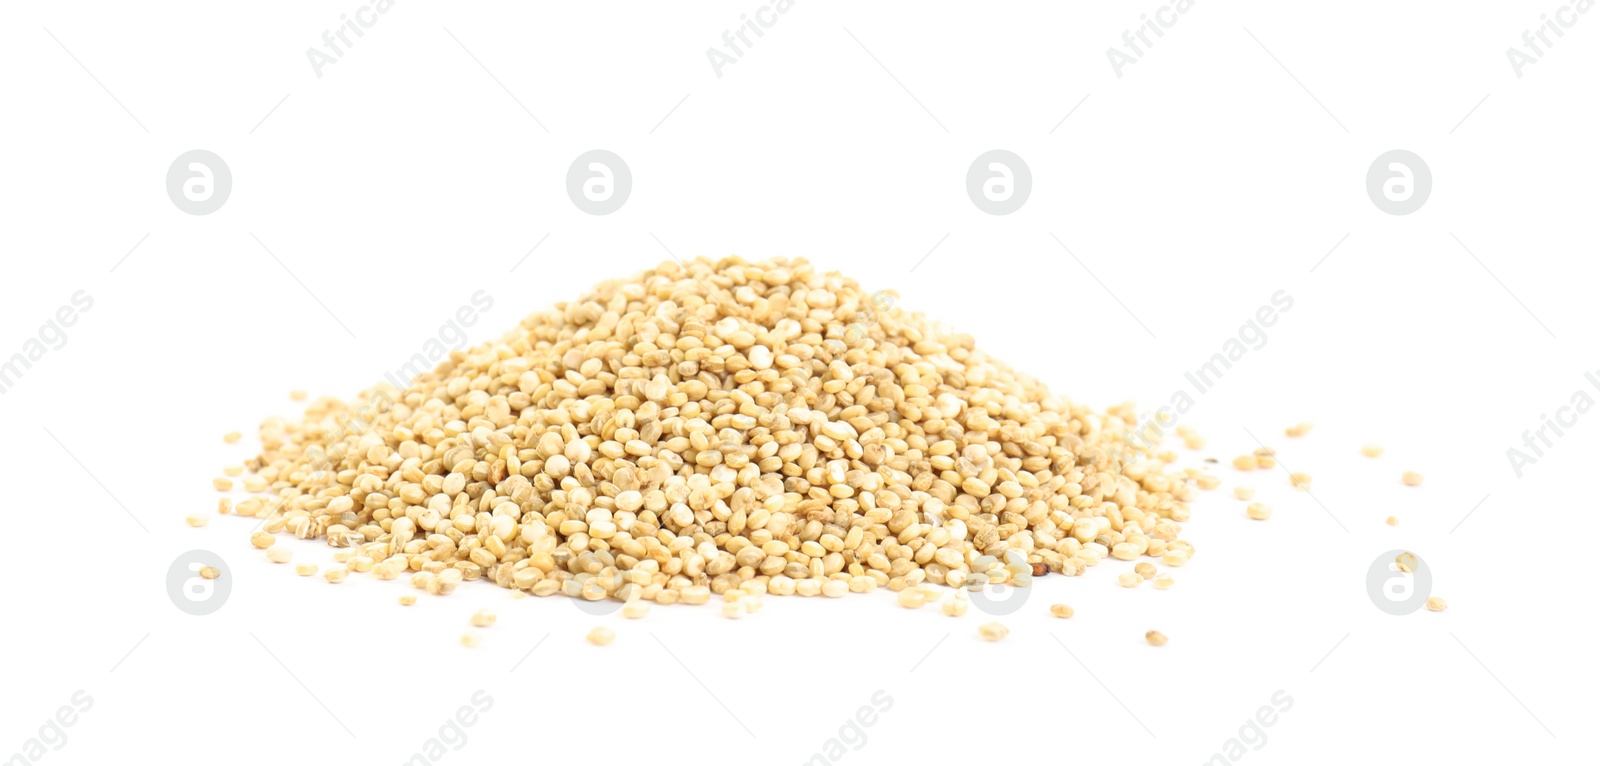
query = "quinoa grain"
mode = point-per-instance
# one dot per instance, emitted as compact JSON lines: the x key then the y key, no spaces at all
{"x":711,"y":427}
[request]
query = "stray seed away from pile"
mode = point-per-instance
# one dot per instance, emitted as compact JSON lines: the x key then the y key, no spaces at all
{"x":712,"y":425}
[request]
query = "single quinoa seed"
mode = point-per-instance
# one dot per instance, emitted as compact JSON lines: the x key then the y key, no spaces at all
{"x":1392,"y":521}
{"x":483,"y":618}
{"x":210,"y":572}
{"x":471,"y":640}
{"x":197,"y":519}
{"x":407,"y":600}
{"x":1301,"y":481}
{"x":1406,"y":562}
{"x":1411,"y":478}
{"x":305,"y":569}
{"x":222,"y":483}
{"x":1163,"y":582}
{"x":1372,"y":450}
{"x":1297,"y":430}
{"x":601,"y":636}
{"x":1436,"y":604}
{"x":1060,"y":610}
{"x":1244,"y":493}
{"x":1245,"y":462}
{"x":993,"y":631}
{"x":636,"y":610}
{"x":232,"y":437}
{"x":1258,"y":511}
{"x":1156,"y":638}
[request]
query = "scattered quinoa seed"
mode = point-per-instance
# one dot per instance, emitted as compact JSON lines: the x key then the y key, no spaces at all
{"x":1411,"y":478}
{"x":954,"y":607}
{"x":335,"y":574}
{"x":912,"y":598}
{"x":601,"y":636}
{"x":1297,"y":430}
{"x":210,"y":572}
{"x":1156,"y":638}
{"x":297,"y":395}
{"x":1145,"y":569}
{"x":222,"y":483}
{"x":1245,"y":462}
{"x":993,"y":631}
{"x":278,"y":554}
{"x":1060,"y":610}
{"x":232,"y":437}
{"x":635,"y":610}
{"x":1129,"y":579}
{"x":1243,"y":493}
{"x":483,"y":618}
{"x":1436,"y":604}
{"x":1372,"y":450}
{"x":1163,"y":582}
{"x":1392,"y":521}
{"x":197,"y":519}
{"x":407,"y":599}
{"x":1406,"y":562}
{"x":305,"y":569}
{"x":1258,"y":511}
{"x":1301,"y":481}
{"x":471,"y":640}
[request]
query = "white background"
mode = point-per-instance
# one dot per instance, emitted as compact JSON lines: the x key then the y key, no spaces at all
{"x":1189,"y":190}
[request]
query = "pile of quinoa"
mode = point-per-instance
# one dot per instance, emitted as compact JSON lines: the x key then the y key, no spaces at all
{"x":718,"y":425}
